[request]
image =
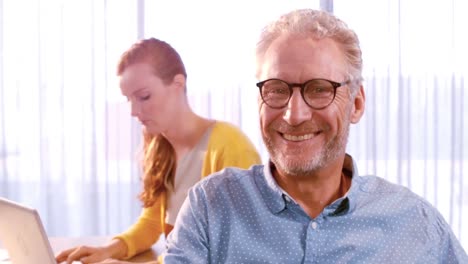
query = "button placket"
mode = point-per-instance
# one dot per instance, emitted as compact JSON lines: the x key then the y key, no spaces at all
{"x":314,"y":225}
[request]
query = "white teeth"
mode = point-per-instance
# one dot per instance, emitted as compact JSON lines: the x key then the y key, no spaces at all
{"x":297,"y":138}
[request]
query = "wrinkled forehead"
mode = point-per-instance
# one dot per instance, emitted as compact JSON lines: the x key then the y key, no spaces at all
{"x":299,"y":58}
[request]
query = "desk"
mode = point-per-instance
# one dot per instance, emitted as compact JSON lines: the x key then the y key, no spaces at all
{"x":61,"y":243}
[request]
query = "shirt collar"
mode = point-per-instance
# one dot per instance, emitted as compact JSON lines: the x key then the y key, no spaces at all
{"x":273,"y":194}
{"x":277,"y":198}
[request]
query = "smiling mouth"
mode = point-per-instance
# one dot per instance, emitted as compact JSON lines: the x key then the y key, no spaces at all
{"x":298,"y":138}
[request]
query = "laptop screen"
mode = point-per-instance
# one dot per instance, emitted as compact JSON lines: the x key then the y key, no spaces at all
{"x":22,"y":234}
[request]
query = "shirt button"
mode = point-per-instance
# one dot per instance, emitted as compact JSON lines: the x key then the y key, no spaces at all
{"x":314,"y":225}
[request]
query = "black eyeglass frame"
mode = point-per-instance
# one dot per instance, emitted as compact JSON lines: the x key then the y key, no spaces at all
{"x":302,"y":86}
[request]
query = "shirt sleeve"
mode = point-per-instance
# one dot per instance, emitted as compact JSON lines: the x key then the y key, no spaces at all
{"x":451,"y":250}
{"x":145,"y":232}
{"x":188,"y":241}
{"x":445,"y":247}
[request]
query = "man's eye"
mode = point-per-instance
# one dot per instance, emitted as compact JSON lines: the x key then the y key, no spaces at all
{"x":276,"y":90}
{"x":281,"y":91}
{"x":318,"y":90}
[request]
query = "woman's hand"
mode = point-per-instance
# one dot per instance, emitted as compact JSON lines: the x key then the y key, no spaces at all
{"x":113,"y":261}
{"x":84,"y":254}
{"x":116,"y":249}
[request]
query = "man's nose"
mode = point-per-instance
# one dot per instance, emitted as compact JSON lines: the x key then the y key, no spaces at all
{"x":297,"y":111}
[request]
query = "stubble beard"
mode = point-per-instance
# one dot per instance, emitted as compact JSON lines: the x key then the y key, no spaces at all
{"x":303,"y":165}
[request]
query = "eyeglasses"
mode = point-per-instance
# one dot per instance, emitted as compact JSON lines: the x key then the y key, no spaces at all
{"x":317,"y":93}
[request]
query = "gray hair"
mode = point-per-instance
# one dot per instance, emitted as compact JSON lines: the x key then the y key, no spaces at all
{"x":316,"y":24}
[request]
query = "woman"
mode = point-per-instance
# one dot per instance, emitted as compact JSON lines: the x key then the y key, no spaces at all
{"x":180,"y":147}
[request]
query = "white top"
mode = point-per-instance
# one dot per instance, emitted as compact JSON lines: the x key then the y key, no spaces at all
{"x":187,"y":174}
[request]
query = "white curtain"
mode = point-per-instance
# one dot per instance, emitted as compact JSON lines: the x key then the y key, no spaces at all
{"x":68,"y":145}
{"x":415,"y":128}
{"x":67,"y":142}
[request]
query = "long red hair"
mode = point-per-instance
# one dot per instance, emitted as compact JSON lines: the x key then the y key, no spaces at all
{"x":159,"y":158}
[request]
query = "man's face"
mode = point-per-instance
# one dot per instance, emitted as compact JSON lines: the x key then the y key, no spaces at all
{"x":302,"y":140}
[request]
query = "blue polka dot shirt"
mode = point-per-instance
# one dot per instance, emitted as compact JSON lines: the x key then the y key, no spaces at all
{"x":243,"y":216}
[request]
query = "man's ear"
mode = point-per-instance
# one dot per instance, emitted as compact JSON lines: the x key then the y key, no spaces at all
{"x":179,"y":81}
{"x":359,"y":104}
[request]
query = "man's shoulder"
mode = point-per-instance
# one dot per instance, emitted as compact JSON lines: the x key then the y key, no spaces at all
{"x":375,"y":184}
{"x":392,"y":194}
{"x":230,"y":177}
{"x":229,"y":188}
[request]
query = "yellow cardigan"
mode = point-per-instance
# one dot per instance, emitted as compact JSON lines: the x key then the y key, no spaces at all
{"x":228,"y":146}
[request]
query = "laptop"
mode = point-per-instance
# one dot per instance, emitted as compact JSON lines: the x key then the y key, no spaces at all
{"x":22,"y":235}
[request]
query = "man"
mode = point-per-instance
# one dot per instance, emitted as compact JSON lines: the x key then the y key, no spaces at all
{"x":308,"y":204}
